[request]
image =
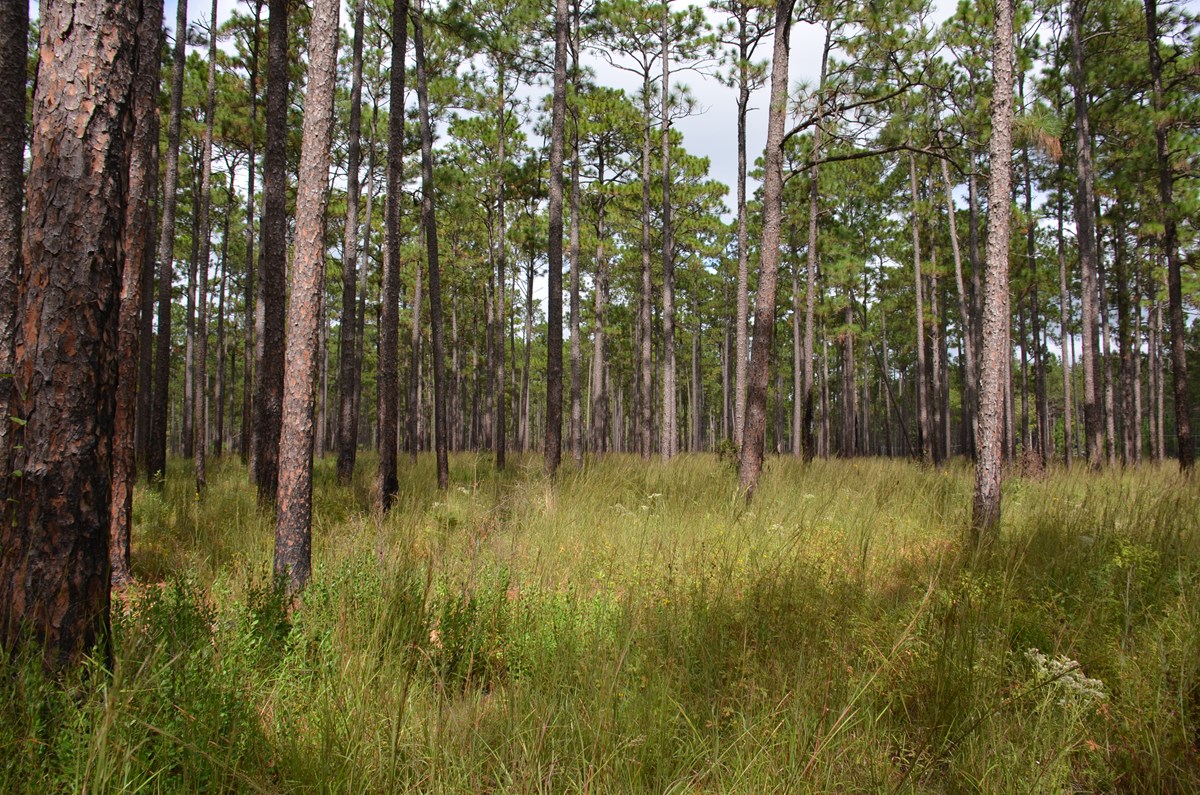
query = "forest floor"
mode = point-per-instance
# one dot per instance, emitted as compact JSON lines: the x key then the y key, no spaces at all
{"x":637,"y":628}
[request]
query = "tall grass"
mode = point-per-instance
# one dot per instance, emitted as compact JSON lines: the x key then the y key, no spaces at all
{"x":636,"y":628}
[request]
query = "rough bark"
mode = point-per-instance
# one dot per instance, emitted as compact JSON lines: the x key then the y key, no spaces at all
{"x":986,"y":508}
{"x":14,"y":27}
{"x":553,"y":451}
{"x":1086,"y":238}
{"x":576,"y":427}
{"x":347,"y":444}
{"x":271,"y":301}
{"x":293,"y":525}
{"x":669,"y":435}
{"x":54,"y":571}
{"x":135,"y":240}
{"x":389,"y":319}
{"x":754,"y":427}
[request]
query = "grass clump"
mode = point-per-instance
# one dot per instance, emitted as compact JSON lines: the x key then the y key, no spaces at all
{"x":636,"y":628}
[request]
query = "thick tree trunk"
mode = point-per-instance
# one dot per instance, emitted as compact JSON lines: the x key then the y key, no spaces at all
{"x":389,"y":319}
{"x":14,"y":31}
{"x":754,"y":428}
{"x":1166,"y":200}
{"x":986,"y":509}
{"x":135,"y":239}
{"x":553,"y":451}
{"x":54,"y":571}
{"x":293,"y":526}
{"x":347,"y":444}
{"x":429,"y":222}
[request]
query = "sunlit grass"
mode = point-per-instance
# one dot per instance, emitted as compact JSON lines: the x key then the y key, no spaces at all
{"x":638,"y":628}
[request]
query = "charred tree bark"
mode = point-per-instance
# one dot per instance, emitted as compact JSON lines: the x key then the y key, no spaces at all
{"x":245,"y":448}
{"x":272,"y":299}
{"x":389,"y":319}
{"x":54,"y":571}
{"x":14,"y":31}
{"x":135,"y":241}
{"x":553,"y":451}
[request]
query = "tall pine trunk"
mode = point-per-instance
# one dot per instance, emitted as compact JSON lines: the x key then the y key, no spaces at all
{"x":54,"y":573}
{"x":347,"y":444}
{"x":272,"y":298}
{"x":389,"y":318}
{"x":157,"y":461}
{"x":293,"y":526}
{"x":136,"y":238}
{"x":429,"y":222}
{"x":754,"y":428}
{"x":986,"y":508}
{"x":553,"y":451}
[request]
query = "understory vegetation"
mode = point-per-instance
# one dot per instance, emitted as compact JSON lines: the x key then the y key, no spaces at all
{"x":636,"y":628}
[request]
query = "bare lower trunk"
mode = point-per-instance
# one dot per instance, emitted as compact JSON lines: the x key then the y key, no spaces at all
{"x":200,"y":442}
{"x":136,"y":238}
{"x":271,"y":299}
{"x":553,"y":451}
{"x":1086,"y":236}
{"x":754,"y":428}
{"x":986,"y":509}
{"x":54,"y":573}
{"x":1183,"y":407}
{"x":293,"y":527}
{"x":389,"y":320}
{"x":429,"y":222}
{"x":347,"y":444}
{"x":157,"y":462}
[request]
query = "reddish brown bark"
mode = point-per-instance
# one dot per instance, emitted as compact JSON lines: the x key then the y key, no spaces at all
{"x":14,"y":23}
{"x":136,"y":240}
{"x":293,"y":526}
{"x":54,"y":574}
